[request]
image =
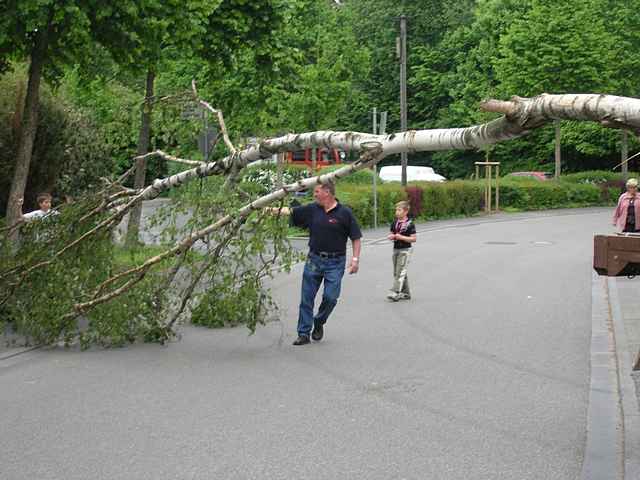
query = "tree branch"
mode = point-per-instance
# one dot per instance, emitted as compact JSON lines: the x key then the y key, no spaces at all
{"x":218,"y":114}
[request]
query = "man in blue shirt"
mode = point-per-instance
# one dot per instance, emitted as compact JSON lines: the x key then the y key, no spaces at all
{"x":330,"y":224}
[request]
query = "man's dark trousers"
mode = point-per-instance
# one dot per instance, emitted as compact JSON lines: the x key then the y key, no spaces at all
{"x":317,"y":269}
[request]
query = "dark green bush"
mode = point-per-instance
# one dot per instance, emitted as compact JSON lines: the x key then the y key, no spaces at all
{"x":525,"y":194}
{"x":432,"y":200}
{"x":70,"y":152}
{"x":442,"y":200}
{"x":596,"y":177}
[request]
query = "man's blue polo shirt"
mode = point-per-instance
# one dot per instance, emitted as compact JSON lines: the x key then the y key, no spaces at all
{"x":328,"y":231}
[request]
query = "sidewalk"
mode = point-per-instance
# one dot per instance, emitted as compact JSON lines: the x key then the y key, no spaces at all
{"x":624,"y":310}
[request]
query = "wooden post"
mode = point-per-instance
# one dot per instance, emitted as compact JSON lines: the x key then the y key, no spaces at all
{"x":558,"y":160}
{"x":314,"y":158}
{"x":488,"y":183}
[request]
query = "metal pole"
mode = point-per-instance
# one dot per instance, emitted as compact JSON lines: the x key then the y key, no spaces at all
{"x":624,"y":154}
{"x":314,"y":157}
{"x":558,"y":162}
{"x":489,"y":175}
{"x":375,"y":174}
{"x":497,"y":187}
{"x":477,"y":172}
{"x":375,"y":120}
{"x":383,"y":123}
{"x":206,"y":136}
{"x":279,"y":157}
{"x":403,"y":91}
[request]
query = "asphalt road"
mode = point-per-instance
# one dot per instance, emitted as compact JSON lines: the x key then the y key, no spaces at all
{"x":483,"y":375}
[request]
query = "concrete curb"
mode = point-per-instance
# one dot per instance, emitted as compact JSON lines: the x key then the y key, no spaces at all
{"x":14,"y":352}
{"x":628,"y":398}
{"x":602,"y":457}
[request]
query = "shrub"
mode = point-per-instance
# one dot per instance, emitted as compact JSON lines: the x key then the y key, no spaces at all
{"x":70,"y":151}
{"x":596,"y":177}
{"x":414,"y":194}
{"x":361,"y":177}
{"x":265,"y":176}
{"x":360,"y":199}
{"x":536,"y":195}
{"x":442,"y":200}
{"x":430,"y":200}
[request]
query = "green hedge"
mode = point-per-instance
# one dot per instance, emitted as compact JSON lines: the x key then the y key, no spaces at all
{"x":438,"y":200}
{"x":596,"y":177}
{"x":466,"y":197}
{"x":537,"y":195}
{"x":449,"y":199}
{"x":360,"y":199}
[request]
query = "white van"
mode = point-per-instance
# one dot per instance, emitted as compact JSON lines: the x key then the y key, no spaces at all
{"x":393,"y":173}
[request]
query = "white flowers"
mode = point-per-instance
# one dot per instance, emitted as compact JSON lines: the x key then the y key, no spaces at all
{"x":268,"y":178}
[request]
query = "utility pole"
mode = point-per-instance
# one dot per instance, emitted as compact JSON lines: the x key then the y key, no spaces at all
{"x":624,"y":154}
{"x":403,"y":90}
{"x":557,"y":153}
{"x":375,"y":173}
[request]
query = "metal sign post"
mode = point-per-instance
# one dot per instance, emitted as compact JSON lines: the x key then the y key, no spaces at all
{"x":375,"y":174}
{"x":380,"y":129}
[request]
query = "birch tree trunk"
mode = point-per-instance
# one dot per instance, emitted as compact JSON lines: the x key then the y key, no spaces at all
{"x":521,"y":115}
{"x":144,"y":139}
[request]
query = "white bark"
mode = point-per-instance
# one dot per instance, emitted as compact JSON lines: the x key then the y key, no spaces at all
{"x":521,"y":116}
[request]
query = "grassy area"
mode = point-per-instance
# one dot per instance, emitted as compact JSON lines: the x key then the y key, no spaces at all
{"x":297,"y":232}
{"x":128,"y":257}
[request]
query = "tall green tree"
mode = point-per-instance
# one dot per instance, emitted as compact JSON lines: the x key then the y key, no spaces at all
{"x":526,"y":48}
{"x":376,"y":25}
{"x":55,"y":34}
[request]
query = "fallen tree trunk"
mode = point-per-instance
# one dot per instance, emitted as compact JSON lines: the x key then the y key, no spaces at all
{"x":520,"y":116}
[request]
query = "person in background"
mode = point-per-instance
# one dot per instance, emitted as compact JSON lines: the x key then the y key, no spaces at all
{"x":626,"y":217}
{"x":403,"y":234}
{"x":44,"y":208}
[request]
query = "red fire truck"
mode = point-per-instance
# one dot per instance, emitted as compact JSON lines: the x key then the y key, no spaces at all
{"x":324,"y":157}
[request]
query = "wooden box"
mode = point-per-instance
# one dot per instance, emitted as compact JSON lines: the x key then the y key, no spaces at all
{"x":616,"y":255}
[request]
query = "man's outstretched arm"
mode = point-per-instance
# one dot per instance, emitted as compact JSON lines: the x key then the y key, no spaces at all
{"x":355,"y":259}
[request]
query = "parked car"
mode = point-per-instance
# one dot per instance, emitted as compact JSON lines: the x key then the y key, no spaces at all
{"x":542,"y":176}
{"x":393,"y":173}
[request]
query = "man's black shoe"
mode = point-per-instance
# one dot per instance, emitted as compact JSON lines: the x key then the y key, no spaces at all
{"x":318,"y":331}
{"x":302,"y":340}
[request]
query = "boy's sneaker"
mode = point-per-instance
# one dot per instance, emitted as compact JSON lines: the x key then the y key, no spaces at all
{"x":393,"y":296}
{"x":405,"y":296}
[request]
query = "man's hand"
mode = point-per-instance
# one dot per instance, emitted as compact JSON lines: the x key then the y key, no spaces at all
{"x":353,"y":266}
{"x":391,"y":236}
{"x":278,"y":210}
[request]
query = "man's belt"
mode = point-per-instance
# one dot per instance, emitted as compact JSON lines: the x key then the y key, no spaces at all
{"x":329,"y":254}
